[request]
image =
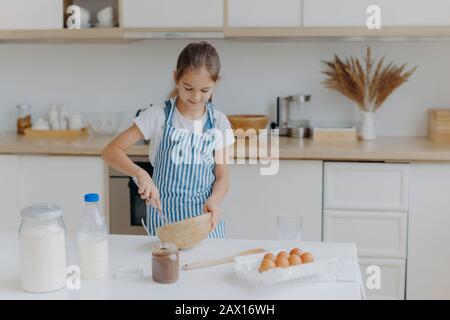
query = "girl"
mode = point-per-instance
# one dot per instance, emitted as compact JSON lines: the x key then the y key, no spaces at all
{"x":188,"y":138}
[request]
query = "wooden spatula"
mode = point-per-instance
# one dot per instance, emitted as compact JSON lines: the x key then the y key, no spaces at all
{"x":207,"y":263}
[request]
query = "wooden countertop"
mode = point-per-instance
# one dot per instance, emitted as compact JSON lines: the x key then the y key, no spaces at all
{"x":12,"y":143}
{"x":390,"y":149}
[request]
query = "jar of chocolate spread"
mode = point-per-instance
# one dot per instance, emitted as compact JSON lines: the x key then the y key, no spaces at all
{"x":165,"y":263}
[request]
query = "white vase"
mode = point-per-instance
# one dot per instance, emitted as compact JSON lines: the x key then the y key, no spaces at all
{"x":368,"y":131}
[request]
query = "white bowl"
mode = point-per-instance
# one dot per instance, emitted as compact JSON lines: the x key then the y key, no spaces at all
{"x":105,"y":16}
{"x":85,"y":17}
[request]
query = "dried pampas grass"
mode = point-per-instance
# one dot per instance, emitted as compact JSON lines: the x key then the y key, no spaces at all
{"x":369,"y":87}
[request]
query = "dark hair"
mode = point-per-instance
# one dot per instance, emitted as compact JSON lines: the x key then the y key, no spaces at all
{"x":197,"y":55}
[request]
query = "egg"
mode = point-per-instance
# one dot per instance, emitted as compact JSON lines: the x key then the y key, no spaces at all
{"x":270,"y":256}
{"x":266,"y":265}
{"x":294,"y":260}
{"x":296,"y":251}
{"x":282,"y":262}
{"x":283,"y":254}
{"x":307,"y":257}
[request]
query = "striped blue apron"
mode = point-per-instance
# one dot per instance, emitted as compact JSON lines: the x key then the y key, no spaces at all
{"x":184,"y":171}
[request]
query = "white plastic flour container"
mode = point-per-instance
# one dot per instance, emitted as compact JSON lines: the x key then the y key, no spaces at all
{"x":42,"y":237}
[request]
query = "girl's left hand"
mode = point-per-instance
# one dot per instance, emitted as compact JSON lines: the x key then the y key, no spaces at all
{"x":216,"y":212}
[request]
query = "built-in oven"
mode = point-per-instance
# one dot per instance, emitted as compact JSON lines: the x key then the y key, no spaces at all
{"x":127,"y":209}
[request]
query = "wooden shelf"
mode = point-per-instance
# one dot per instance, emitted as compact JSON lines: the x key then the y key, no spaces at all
{"x":337,"y":32}
{"x":61,"y":34}
{"x":172,"y":33}
{"x":129,"y":34}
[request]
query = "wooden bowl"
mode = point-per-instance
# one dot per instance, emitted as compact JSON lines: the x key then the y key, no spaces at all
{"x":246,"y":122}
{"x":186,"y":233}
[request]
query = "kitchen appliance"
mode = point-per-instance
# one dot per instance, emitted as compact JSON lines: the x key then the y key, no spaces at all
{"x":127,"y":209}
{"x":292,"y":116}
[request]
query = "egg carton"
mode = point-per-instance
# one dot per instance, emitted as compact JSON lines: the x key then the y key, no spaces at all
{"x":247,"y":268}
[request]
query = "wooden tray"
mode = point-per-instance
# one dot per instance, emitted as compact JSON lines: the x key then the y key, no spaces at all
{"x":57,"y":134}
{"x":334,"y":134}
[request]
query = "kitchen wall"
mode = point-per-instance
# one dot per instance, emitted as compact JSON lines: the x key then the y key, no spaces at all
{"x":115,"y":77}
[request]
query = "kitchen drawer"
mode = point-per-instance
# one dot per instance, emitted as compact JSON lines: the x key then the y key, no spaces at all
{"x":376,"y":234}
{"x":367,"y":186}
{"x":392,"y":278}
{"x":26,"y":14}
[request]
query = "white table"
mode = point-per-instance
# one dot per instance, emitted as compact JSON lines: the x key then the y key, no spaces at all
{"x":217,"y":283}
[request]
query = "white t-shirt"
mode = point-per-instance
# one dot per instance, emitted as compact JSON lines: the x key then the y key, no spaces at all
{"x":151,"y":123}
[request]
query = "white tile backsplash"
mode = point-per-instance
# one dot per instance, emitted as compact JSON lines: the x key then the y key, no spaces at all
{"x":113,"y":77}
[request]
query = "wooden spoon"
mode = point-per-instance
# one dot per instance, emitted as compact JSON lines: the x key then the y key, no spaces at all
{"x":214,"y":262}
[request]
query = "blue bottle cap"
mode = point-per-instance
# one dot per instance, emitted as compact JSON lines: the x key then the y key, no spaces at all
{"x":91,"y":197}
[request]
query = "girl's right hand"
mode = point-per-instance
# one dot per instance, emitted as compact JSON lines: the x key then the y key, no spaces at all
{"x":148,"y":190}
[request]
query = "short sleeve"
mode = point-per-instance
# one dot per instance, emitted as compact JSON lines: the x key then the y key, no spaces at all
{"x":226,"y":136}
{"x":150,"y":121}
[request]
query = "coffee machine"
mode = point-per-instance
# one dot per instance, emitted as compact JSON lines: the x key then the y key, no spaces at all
{"x":288,"y":124}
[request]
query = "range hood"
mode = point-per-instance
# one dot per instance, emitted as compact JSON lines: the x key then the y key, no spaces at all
{"x":172,"y":35}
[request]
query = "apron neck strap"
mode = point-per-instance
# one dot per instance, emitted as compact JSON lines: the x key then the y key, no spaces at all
{"x":169,"y":110}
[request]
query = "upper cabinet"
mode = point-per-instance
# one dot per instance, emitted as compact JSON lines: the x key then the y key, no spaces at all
{"x":26,"y":14}
{"x":143,"y":19}
{"x":172,"y":13}
{"x":264,"y":13}
{"x":397,"y":13}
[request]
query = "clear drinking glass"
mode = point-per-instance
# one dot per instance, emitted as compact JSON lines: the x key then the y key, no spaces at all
{"x":289,"y":229}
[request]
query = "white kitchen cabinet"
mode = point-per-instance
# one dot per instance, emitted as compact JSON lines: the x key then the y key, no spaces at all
{"x":366,"y":186}
{"x":26,"y":14}
{"x":9,"y":192}
{"x":392,"y":278}
{"x":264,"y":13}
{"x":429,"y":232}
{"x":254,"y":201}
{"x":376,"y":234}
{"x":62,"y":180}
{"x":172,"y":13}
{"x":367,"y":204}
{"x":352,"y":13}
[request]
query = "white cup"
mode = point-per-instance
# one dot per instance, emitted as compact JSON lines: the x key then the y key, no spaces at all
{"x":76,"y":122}
{"x":106,"y":16}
